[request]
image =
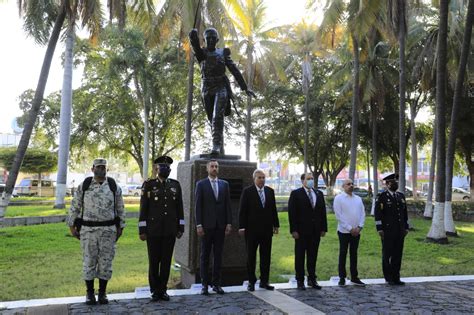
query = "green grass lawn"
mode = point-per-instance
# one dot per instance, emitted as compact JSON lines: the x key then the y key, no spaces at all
{"x":44,"y":261}
{"x":45,"y":210}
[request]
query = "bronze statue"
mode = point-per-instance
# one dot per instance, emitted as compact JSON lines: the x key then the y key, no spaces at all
{"x":216,"y":92}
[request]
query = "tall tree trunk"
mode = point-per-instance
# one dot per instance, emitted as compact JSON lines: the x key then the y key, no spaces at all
{"x":189,"y":108}
{"x":448,"y":212}
{"x":355,"y":107}
{"x":368,"y":168}
{"x":65,"y":122}
{"x":146,"y":130}
{"x":32,"y":114}
{"x":142,"y":95}
{"x":402,"y":85}
{"x":437,"y":232}
{"x":429,"y":199}
{"x":306,"y":132}
{"x":373,"y":113}
{"x":414,"y":150}
{"x":248,"y":125}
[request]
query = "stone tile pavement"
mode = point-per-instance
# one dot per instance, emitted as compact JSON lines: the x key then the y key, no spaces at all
{"x":413,"y":298}
{"x":447,"y":295}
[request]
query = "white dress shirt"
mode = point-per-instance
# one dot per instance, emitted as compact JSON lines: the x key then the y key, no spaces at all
{"x":350,"y":212}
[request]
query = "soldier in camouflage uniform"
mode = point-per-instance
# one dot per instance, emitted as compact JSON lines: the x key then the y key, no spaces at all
{"x":96,"y":217}
{"x":161,"y":222}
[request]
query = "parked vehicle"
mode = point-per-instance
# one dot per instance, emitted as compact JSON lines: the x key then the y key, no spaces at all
{"x":134,"y":190}
{"x":460,"y":194}
{"x":29,"y":187}
{"x":323,"y":190}
{"x":409,"y":192}
{"x":2,"y":188}
{"x":361,"y":192}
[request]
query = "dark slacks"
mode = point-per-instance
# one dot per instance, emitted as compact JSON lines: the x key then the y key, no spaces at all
{"x":160,"y":252}
{"x":346,"y":240}
{"x":213,"y":239}
{"x":264,"y":244}
{"x":306,"y":245}
{"x":392,"y":250}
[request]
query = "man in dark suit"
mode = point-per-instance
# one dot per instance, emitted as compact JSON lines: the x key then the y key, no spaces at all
{"x":214,"y":221}
{"x":308,"y":223}
{"x":258,"y":221}
{"x":391,"y":220}
{"x":161,"y":222}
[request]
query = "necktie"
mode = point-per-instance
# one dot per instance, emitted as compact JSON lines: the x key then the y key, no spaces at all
{"x":310,"y":196}
{"x":214,"y":187}
{"x":262,"y":196}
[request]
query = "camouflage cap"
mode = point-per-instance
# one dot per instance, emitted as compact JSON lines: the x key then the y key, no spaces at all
{"x":100,"y":161}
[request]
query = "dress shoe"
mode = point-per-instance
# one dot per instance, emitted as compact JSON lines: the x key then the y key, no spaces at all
{"x":164,"y":297}
{"x":251,"y":287}
{"x":314,"y":284}
{"x":103,"y":298}
{"x":204,"y":291}
{"x":300,"y":286}
{"x":398,"y":282}
{"x":357,"y":282}
{"x":155,"y":298}
{"x":390,"y":282}
{"x":342,"y":281}
{"x":218,"y":289}
{"x":90,"y":298}
{"x":266,"y":286}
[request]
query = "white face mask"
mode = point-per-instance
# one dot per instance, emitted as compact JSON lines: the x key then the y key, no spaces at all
{"x":310,"y":183}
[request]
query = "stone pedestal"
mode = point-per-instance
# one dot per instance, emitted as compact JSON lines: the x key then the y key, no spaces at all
{"x":187,"y":250}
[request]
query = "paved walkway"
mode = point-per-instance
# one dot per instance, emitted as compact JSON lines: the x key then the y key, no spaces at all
{"x":439,"y":295}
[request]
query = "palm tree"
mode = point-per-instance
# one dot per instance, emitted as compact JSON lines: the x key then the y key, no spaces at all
{"x":448,"y":215}
{"x":429,"y":199}
{"x":437,"y":232}
{"x":66,"y":95}
{"x":304,"y":44}
{"x":361,"y":17}
{"x":249,"y":18}
{"x":397,"y":11}
{"x":36,"y":24}
{"x":65,"y":121}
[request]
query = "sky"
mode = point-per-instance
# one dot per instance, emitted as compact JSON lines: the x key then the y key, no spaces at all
{"x":21,"y":59}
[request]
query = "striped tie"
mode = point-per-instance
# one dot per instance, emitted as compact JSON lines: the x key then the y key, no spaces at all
{"x":214,"y":187}
{"x":262,"y":197}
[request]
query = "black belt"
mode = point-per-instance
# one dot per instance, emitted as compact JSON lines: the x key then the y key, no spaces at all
{"x":99,"y":223}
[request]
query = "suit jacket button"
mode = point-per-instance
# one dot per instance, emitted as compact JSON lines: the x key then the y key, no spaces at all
{"x":166,"y":213}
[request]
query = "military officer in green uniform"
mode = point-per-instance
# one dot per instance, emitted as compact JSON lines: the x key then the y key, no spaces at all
{"x":161,"y":222}
{"x":391,"y":220}
{"x":96,"y":217}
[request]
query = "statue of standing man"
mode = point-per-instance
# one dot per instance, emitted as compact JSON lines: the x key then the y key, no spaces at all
{"x":216,"y":92}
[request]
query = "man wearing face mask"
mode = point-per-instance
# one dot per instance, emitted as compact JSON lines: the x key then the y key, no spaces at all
{"x":161,"y":222}
{"x":308,"y":223}
{"x":96,"y":217}
{"x":391,"y":220}
{"x":216,"y":92}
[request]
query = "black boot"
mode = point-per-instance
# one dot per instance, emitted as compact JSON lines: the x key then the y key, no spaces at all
{"x":90,"y":296}
{"x":102,"y":295}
